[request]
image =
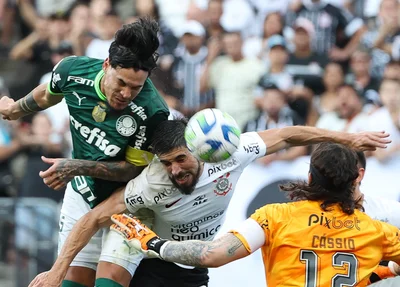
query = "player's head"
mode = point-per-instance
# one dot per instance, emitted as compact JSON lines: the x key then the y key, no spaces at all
{"x":132,"y":56}
{"x":169,"y":145}
{"x":362,"y":165}
{"x":332,"y":178}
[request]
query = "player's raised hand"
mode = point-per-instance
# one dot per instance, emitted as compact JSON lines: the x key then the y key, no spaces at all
{"x":369,"y":141}
{"x":58,"y":174}
{"x":137,"y":235}
{"x":46,"y":279}
{"x":5,"y":108}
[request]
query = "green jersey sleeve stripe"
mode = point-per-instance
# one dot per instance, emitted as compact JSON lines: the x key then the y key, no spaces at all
{"x":51,"y":92}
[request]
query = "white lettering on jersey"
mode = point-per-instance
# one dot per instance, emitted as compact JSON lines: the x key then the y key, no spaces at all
{"x":138,"y":110}
{"x":81,"y":81}
{"x":200,"y":214}
{"x":95,"y":136}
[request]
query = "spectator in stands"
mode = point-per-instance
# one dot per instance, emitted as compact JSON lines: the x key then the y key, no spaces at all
{"x":379,"y":34}
{"x":392,"y":70}
{"x":360,"y":75}
{"x":58,"y":114}
{"x":387,"y":119}
{"x":349,"y":115}
{"x":189,"y":62}
{"x":276,"y":72}
{"x":305,"y":65}
{"x":233,"y":77}
{"x":333,"y":79}
{"x":98,"y":47}
{"x":258,"y":46}
{"x":275,"y":113}
{"x":9,"y":147}
{"x":213,"y":24}
{"x":79,"y":33}
{"x":337,"y":32}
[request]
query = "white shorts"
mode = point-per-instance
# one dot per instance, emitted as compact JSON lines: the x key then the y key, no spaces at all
{"x":103,"y":246}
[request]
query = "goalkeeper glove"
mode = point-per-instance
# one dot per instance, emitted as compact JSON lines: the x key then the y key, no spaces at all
{"x":138,"y":235}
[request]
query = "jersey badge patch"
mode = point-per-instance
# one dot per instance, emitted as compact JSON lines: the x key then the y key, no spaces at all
{"x":126,"y":125}
{"x":99,"y":112}
{"x":223,"y":186}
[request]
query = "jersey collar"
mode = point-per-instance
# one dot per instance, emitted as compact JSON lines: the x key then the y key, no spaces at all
{"x":97,"y":80}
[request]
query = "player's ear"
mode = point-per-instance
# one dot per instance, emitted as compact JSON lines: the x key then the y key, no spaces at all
{"x":309,"y":178}
{"x":361,"y":173}
{"x":106,"y":64}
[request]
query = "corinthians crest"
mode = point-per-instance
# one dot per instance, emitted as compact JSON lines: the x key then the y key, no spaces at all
{"x":99,"y":112}
{"x":223,"y":185}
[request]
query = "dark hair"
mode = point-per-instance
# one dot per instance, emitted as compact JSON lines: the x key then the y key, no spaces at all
{"x":362,"y":161}
{"x":352,"y":87}
{"x":333,"y":171}
{"x":168,"y":136}
{"x":135,"y":45}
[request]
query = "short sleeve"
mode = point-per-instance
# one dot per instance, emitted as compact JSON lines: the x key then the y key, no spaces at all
{"x":134,"y":199}
{"x":348,"y":23}
{"x":391,"y":242}
{"x":250,"y":148}
{"x":59,"y":75}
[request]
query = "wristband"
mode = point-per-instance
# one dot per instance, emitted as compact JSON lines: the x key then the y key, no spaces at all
{"x":155,"y":244}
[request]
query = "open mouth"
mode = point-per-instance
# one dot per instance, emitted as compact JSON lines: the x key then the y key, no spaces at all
{"x":182,"y":179}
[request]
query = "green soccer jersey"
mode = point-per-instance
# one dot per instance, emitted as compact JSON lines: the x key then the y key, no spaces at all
{"x":101,"y":134}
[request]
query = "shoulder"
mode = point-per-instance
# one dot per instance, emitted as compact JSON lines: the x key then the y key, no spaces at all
{"x":156,"y":175}
{"x":153,"y":101}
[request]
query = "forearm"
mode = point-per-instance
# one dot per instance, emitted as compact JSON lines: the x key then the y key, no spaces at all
{"x":303,"y":135}
{"x":205,"y":253}
{"x":79,"y":236}
{"x":204,"y":85}
{"x":37,"y":100}
{"x":23,"y":49}
{"x":28,"y":13}
{"x":192,"y":253}
{"x":352,"y":46}
{"x":121,"y":171}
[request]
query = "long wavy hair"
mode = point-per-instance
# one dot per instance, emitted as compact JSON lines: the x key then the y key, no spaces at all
{"x":333,"y":170}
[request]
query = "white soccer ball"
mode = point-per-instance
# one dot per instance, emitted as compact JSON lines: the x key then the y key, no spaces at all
{"x":212,"y":135}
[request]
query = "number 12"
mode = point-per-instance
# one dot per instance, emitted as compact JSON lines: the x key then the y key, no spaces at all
{"x":339,"y":259}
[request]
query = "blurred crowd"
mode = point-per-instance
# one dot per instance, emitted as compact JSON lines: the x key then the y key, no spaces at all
{"x":333,"y":64}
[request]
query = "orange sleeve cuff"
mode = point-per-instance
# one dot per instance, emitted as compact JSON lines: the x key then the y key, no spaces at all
{"x":242,"y":239}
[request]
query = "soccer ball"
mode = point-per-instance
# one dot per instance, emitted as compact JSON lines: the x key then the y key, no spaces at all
{"x":212,"y":135}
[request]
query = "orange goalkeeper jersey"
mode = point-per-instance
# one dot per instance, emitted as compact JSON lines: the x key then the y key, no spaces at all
{"x":306,"y":246}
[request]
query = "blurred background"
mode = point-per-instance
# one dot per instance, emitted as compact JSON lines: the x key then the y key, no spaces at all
{"x":333,"y":64}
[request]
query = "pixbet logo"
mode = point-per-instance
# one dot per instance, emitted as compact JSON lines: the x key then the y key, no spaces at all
{"x":220,"y":167}
{"x":161,"y":195}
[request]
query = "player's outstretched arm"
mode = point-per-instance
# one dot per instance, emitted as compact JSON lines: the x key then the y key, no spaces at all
{"x":62,"y":170}
{"x":79,"y":236}
{"x":37,"y":100}
{"x":278,"y":139}
{"x":198,"y":253}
